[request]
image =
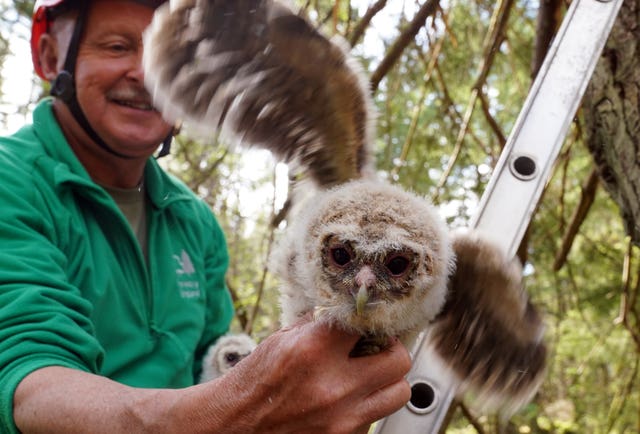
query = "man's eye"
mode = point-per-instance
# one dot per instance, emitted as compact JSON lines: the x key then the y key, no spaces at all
{"x":118,"y":47}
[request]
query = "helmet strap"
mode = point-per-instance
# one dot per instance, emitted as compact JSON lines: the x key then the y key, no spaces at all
{"x":63,"y":87}
{"x":166,"y":145}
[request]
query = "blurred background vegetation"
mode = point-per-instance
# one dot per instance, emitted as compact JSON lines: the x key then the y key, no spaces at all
{"x":449,"y":79}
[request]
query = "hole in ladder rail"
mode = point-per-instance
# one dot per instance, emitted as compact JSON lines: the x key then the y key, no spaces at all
{"x":423,"y":398}
{"x":523,"y":168}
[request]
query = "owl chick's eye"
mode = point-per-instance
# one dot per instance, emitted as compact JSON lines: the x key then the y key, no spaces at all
{"x":231,"y":357}
{"x":341,"y":256}
{"x":397,"y":265}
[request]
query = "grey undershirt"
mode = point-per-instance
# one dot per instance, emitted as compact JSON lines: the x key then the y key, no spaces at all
{"x":133,"y":202}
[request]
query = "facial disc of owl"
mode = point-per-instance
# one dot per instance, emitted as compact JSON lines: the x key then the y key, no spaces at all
{"x":366,"y":256}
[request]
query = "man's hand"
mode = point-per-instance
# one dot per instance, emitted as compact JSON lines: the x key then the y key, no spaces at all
{"x":302,"y":380}
{"x":299,"y":380}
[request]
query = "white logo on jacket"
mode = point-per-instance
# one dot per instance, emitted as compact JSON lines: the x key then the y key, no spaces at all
{"x":189,"y":288}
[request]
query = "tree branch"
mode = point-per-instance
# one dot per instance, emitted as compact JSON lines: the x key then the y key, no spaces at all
{"x":248,"y":328}
{"x":549,"y":19}
{"x":620,"y":400}
{"x":587,"y":197}
{"x":455,"y":114}
{"x":629,"y":315}
{"x":449,"y":416}
{"x":405,"y":38}
{"x":502,"y":140}
{"x":494,"y":38}
{"x":472,"y":420}
{"x":241,"y":314}
{"x":417,"y":109}
{"x":364,"y":22}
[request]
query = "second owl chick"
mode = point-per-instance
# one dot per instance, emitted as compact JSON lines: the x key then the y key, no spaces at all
{"x":367,"y":257}
{"x":227,"y":352}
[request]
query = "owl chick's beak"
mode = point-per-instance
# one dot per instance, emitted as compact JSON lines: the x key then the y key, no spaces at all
{"x":362,"y":297}
{"x":365,"y":278}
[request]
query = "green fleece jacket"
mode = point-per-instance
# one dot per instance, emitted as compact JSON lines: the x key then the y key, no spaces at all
{"x":75,"y":289}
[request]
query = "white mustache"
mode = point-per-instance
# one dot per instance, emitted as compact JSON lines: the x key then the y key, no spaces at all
{"x":134,"y":94}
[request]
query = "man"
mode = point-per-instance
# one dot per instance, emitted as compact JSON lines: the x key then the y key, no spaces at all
{"x":111,"y":272}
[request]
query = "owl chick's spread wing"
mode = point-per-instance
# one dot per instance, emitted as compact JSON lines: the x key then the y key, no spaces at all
{"x":258,"y":72}
{"x":488,"y":332}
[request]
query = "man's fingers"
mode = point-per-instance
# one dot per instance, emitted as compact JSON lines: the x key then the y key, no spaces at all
{"x":386,"y":367}
{"x":339,"y":341}
{"x":386,"y":401}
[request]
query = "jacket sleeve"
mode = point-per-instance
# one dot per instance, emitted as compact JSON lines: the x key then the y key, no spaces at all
{"x":219,"y":304}
{"x":43,"y":319}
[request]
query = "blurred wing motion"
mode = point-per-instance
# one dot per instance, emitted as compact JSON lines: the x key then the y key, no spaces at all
{"x":225,"y":354}
{"x":259,"y":73}
{"x":488,"y":332}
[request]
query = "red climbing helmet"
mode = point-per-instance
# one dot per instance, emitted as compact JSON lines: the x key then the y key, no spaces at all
{"x":44,"y":13}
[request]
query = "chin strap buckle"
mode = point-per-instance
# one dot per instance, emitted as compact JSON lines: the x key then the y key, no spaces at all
{"x":63,"y":87}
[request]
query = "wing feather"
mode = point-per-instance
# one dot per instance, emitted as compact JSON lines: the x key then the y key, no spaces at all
{"x":264,"y":76}
{"x":489,"y":332}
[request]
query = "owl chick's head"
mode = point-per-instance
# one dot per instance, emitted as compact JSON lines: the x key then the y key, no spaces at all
{"x":225,"y":354}
{"x":369,"y":257}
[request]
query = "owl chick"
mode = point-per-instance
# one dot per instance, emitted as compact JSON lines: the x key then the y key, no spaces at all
{"x":376,"y":260}
{"x":368,"y":257}
{"x":225,"y":354}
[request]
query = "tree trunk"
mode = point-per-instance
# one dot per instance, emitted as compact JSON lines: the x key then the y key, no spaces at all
{"x":612,"y":116}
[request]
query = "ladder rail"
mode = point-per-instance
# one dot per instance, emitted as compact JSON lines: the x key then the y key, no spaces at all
{"x":512,"y":194}
{"x":562,"y":81}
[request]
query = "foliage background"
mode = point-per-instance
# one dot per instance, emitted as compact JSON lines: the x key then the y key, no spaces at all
{"x":446,"y":103}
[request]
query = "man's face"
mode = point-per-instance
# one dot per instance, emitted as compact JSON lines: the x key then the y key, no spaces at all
{"x":109,"y":78}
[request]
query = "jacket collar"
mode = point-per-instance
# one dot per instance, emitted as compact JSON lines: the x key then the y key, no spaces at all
{"x":162,"y":189}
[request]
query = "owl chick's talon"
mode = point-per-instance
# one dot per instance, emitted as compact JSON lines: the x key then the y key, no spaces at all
{"x":370,"y":345}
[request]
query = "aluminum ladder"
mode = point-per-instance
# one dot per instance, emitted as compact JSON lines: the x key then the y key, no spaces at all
{"x":516,"y":185}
